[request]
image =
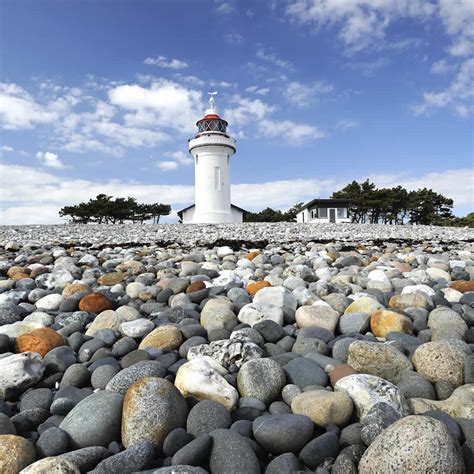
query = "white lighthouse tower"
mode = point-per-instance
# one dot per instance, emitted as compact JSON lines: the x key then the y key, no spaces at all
{"x":212,"y":150}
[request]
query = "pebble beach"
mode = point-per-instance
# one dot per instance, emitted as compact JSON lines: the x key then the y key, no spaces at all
{"x":255,"y":348}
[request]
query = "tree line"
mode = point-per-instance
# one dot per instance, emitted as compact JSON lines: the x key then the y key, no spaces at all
{"x":105,"y":209}
{"x":396,"y":205}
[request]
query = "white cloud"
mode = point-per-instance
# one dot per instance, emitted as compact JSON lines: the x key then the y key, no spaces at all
{"x":6,"y":148}
{"x":225,"y":9}
{"x":162,"y":61}
{"x":43,"y":194}
{"x":304,"y":95}
{"x":291,"y":132}
{"x":272,"y":58}
{"x":50,"y":160}
{"x":362,"y":23}
{"x":165,"y":104}
{"x":442,"y":67}
{"x":180,"y":157}
{"x":19,"y":110}
{"x":167,"y":165}
{"x":458,"y":96}
{"x":246,"y":111}
{"x":458,"y":19}
{"x":346,"y":124}
{"x":234,"y":38}
{"x":258,"y":90}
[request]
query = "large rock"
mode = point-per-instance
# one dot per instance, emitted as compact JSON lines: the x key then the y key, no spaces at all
{"x":379,"y":359}
{"x":95,"y":420}
{"x":279,"y":434}
{"x":411,"y":300}
{"x":317,"y":315}
{"x":459,"y":405}
{"x":238,"y":350}
{"x":279,"y":296}
{"x":207,"y":416}
{"x":152,"y":408}
{"x":231,"y":453}
{"x":122,"y":381}
{"x":364,"y":304}
{"x":383,"y":321}
{"x":445,"y":319}
{"x":413,"y":444}
{"x":108,"y":319}
{"x":40,"y":340}
{"x":442,"y":361}
{"x":16,"y":453}
{"x":368,"y":390}
{"x":218,"y":314}
{"x":323,"y":407}
{"x":50,"y":465}
{"x":203,"y":379}
{"x":18,"y":372}
{"x":254,"y":313}
{"x":19,"y":328}
{"x":262,"y":379}
{"x":163,"y":337}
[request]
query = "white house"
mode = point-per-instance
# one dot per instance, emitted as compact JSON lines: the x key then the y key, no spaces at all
{"x":324,"y":210}
{"x":212,"y":149}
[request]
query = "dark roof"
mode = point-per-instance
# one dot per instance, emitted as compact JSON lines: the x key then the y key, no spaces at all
{"x":180,"y":213}
{"x":326,"y":202}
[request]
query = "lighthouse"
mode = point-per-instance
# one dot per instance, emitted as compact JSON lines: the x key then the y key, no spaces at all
{"x":212,"y":149}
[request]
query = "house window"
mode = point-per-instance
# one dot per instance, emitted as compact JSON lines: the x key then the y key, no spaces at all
{"x":217,"y":177}
{"x":323,"y":212}
{"x":341,"y":213}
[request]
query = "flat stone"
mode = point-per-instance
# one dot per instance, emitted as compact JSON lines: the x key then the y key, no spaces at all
{"x":108,"y":319}
{"x":304,"y":371}
{"x":254,"y":313}
{"x":354,"y":322}
{"x":163,"y":337}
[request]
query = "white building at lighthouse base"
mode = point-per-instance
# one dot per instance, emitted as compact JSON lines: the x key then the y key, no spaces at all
{"x":236,"y":216}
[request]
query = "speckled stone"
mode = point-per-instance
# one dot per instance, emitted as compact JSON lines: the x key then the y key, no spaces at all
{"x":152,"y":408}
{"x":413,"y":444}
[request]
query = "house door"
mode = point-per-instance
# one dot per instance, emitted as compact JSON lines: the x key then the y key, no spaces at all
{"x":332,"y":215}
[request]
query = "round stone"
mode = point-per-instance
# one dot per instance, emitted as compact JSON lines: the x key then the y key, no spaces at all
{"x":324,"y":407}
{"x":52,"y":442}
{"x":413,"y":444}
{"x":40,"y":340}
{"x":207,"y":416}
{"x":317,"y":315}
{"x":279,"y":434}
{"x":152,"y":408}
{"x":379,"y":359}
{"x":163,"y":337}
{"x":383,"y":321}
{"x":442,"y":361}
{"x":232,"y":453}
{"x":364,"y":304}
{"x":95,"y":303}
{"x":304,"y":371}
{"x":253,"y":288}
{"x":262,"y":379}
{"x":16,"y":453}
{"x":125,"y":378}
{"x":52,"y":465}
{"x":137,"y":328}
{"x":100,"y":429}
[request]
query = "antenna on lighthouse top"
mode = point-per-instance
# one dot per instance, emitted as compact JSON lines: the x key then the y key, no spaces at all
{"x":212,"y":105}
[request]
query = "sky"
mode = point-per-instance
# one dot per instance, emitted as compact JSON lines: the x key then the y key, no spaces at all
{"x":101,"y":96}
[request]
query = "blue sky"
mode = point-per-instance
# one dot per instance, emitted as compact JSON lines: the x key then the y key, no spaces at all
{"x":102,"y":96}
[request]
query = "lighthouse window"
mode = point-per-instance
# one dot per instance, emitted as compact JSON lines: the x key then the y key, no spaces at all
{"x":212,"y":126}
{"x":217,"y":177}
